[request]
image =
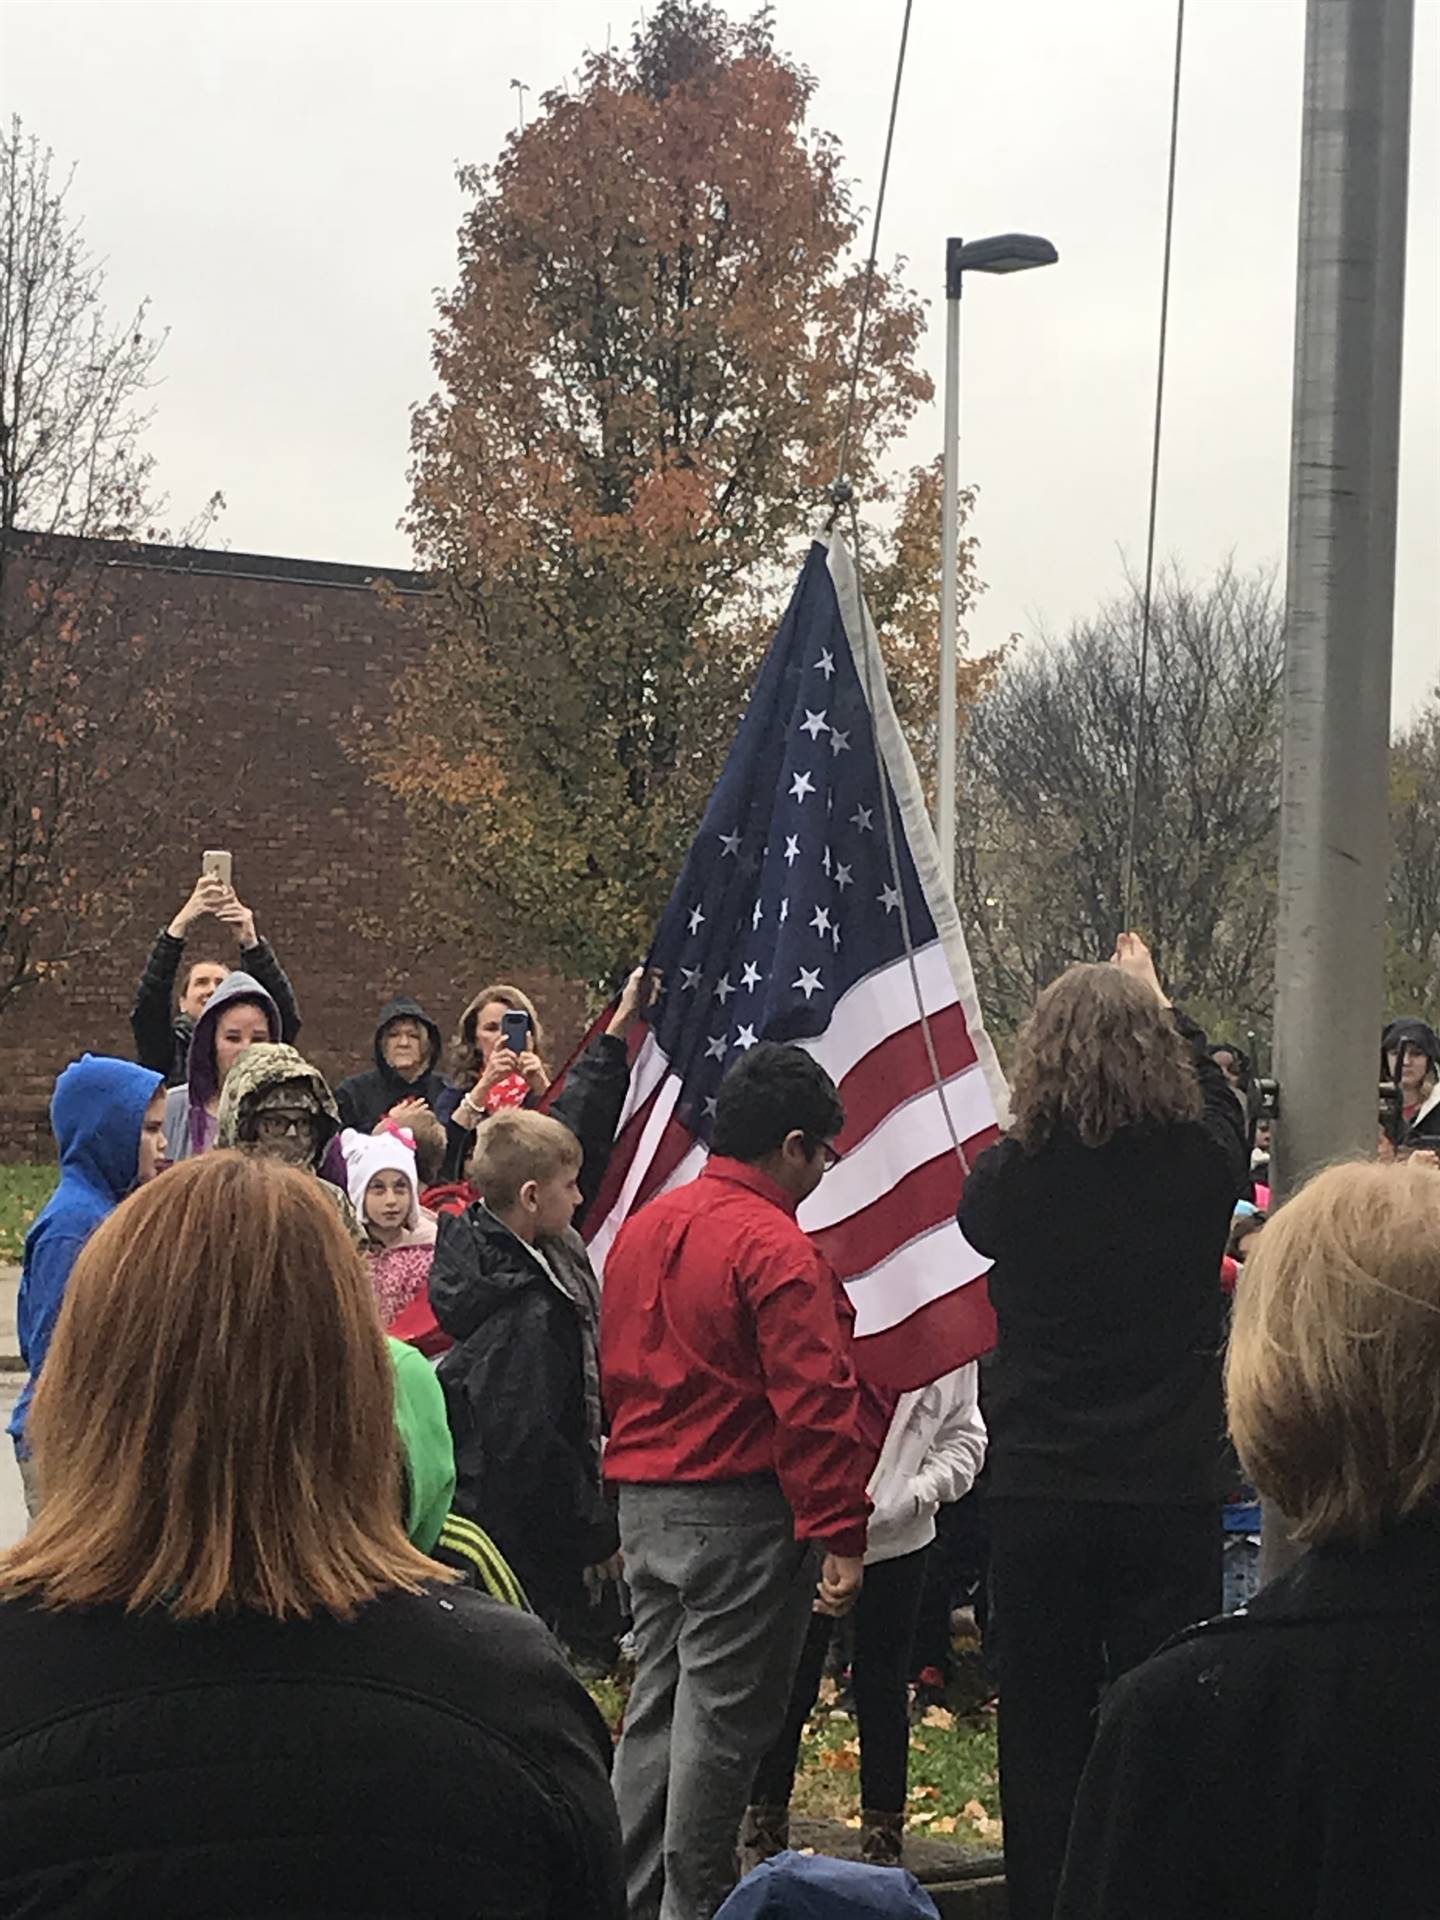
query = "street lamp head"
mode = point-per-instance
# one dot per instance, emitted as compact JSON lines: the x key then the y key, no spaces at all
{"x":999,"y":253}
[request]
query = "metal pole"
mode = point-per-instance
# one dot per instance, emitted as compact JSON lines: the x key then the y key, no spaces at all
{"x":949,"y":565}
{"x":1340,"y":592}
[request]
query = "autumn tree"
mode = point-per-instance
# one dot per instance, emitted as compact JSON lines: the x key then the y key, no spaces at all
{"x":1047,"y":793}
{"x":1413,"y":949}
{"x":85,"y":706}
{"x":642,"y":381}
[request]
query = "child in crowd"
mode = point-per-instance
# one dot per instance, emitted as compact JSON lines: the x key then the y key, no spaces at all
{"x":513,"y":1285}
{"x":108,"y":1117}
{"x":380,"y":1175}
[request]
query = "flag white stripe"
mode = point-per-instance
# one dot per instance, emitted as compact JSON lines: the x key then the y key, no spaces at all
{"x":645,"y":1147}
{"x":880,"y":1006}
{"x":650,"y":1068}
{"x":911,"y":1135}
{"x":926,"y":1268}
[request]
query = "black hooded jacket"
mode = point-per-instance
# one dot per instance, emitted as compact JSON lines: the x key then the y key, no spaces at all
{"x":522,"y":1392}
{"x":1423,"y":1127}
{"x":365,"y":1097}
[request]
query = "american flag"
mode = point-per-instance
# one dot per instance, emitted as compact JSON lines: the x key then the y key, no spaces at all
{"x":787,"y":924}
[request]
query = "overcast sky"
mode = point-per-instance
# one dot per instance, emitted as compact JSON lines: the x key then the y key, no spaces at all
{"x":278,"y":177}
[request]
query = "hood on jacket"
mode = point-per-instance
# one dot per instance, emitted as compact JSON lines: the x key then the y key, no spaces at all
{"x":203,"y":1071}
{"x":263,"y":1069}
{"x":367,"y":1154}
{"x":96,"y":1112}
{"x":480,"y":1265}
{"x":425,"y":1442}
{"x":404,"y":1008}
{"x":1416,"y":1034}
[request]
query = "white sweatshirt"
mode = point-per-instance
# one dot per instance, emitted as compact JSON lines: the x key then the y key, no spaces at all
{"x":932,"y":1453}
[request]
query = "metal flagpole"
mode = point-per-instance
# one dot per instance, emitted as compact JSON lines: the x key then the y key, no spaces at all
{"x":949,"y":566}
{"x":1345,"y":434}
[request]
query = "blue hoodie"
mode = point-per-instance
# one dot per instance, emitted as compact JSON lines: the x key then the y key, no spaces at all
{"x":96,"y":1114}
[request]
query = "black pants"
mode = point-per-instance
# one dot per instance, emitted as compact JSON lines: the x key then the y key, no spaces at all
{"x":880,"y":1674}
{"x":956,"y":1572}
{"x":1080,"y":1593}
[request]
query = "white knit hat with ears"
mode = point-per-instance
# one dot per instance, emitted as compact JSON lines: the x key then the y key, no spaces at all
{"x":367,"y":1154}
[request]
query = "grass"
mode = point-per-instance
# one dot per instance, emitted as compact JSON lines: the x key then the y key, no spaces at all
{"x":954,"y":1794}
{"x":24,"y":1189}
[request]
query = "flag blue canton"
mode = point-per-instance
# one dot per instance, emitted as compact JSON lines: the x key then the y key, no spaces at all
{"x":788,"y":895}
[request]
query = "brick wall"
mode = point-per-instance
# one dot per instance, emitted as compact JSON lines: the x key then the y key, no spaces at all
{"x":296,"y":651}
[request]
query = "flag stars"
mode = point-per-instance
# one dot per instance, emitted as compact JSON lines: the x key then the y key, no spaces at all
{"x":821,"y":921}
{"x":715,"y":1047}
{"x":697,"y":919}
{"x":809,"y":982}
{"x":839,"y":742}
{"x":826,"y":664}
{"x":815,"y":724}
{"x":723,"y":988}
{"x":792,"y":852}
{"x":731,"y":843}
{"x":801,"y":785}
{"x":843,"y":877}
{"x":751,"y":977}
{"x":826,"y":861}
{"x":863,"y":819}
{"x":889,"y":899}
{"x":784,"y":911}
{"x":745,"y":1038}
{"x":758,"y":915}
{"x":689,"y":978}
{"x":710,"y":1108}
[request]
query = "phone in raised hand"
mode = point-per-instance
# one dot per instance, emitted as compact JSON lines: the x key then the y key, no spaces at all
{"x":216,"y":864}
{"x":515,"y":1030}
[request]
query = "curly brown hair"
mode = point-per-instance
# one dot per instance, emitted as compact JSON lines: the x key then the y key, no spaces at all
{"x":1099,"y":1053}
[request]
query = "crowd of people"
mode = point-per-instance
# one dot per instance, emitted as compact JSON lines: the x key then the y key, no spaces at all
{"x":343,"y":1467}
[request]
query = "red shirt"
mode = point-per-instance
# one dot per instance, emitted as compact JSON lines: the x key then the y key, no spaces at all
{"x":725,"y":1352}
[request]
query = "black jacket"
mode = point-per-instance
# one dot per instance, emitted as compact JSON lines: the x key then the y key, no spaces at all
{"x":364,"y":1097}
{"x":1279,"y":1764}
{"x":432,"y":1756}
{"x":522,"y":1392}
{"x":162,"y":1036}
{"x":1105,"y":1383}
{"x":590,"y":1100}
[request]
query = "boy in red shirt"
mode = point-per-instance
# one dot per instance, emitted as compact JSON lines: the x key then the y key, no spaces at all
{"x":735,"y":1441}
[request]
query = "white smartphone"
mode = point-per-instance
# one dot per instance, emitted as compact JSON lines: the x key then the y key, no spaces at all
{"x":216,"y":865}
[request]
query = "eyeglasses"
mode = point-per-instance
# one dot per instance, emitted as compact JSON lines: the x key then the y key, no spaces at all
{"x":281,"y":1125}
{"x":830,"y":1151}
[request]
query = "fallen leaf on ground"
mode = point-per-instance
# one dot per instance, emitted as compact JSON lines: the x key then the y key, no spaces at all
{"x":940,"y":1717}
{"x":946,"y":1824}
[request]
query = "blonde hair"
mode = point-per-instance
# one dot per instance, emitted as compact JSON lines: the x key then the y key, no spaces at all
{"x":215,"y":1425}
{"x":1335,"y":1353}
{"x":464,"y":1054}
{"x":514,"y":1146}
{"x":1098,"y":1054}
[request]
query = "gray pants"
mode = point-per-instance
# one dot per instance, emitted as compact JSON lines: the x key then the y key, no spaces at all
{"x":722,"y":1594}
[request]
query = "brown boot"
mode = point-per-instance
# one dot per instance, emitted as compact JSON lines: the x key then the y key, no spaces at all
{"x":882,"y":1838}
{"x":764,"y":1832}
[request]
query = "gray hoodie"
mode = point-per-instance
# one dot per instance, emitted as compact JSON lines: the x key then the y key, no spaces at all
{"x":189,"y":1129}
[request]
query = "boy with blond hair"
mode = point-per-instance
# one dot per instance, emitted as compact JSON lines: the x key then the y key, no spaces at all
{"x":513,"y":1286}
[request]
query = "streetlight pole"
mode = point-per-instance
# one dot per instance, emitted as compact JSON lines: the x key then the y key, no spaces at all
{"x":1340,"y":590}
{"x":1000,"y":253}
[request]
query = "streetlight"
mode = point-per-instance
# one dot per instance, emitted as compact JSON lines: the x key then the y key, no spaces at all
{"x":1000,"y":253}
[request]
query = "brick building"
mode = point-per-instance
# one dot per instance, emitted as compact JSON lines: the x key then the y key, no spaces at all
{"x":299,"y":653}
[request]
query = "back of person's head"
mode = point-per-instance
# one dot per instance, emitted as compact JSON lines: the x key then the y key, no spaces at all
{"x":215,"y":1426}
{"x":1099,"y":1054}
{"x":429,"y":1137}
{"x":773,"y":1091}
{"x":515,"y":1146}
{"x":1335,"y":1352}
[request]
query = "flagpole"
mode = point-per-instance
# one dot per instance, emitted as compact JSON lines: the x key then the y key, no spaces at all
{"x":1340,"y":591}
{"x":949,"y":566}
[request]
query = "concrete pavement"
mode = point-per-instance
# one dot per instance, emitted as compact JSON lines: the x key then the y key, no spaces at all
{"x":12,"y":1496}
{"x":10,"y":1361}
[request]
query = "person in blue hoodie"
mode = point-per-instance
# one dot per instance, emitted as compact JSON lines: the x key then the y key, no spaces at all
{"x":108,"y":1118}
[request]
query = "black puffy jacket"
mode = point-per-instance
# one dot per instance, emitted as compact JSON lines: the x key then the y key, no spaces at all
{"x":364,"y":1097}
{"x":432,"y":1755}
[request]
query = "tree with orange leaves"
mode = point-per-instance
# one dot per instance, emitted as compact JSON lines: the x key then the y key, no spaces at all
{"x":643,"y":378}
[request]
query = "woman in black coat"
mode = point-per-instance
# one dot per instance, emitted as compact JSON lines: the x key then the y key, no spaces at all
{"x":1106,"y":1212}
{"x":1281,"y":1764}
{"x":232,"y":1686}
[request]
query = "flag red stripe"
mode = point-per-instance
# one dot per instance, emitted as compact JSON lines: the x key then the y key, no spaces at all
{"x":671,"y":1148}
{"x":926,"y":1196}
{"x":627,"y":1143}
{"x":898,"y":1067}
{"x":959,"y":1325}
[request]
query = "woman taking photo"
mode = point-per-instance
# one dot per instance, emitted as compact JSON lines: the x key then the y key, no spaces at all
{"x":1106,"y":1212}
{"x":1280,"y":1764}
{"x":232,"y":1685}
